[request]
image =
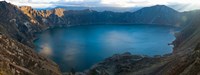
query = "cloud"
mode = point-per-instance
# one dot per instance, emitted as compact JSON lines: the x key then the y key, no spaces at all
{"x":186,"y":4}
{"x":123,"y":3}
{"x":33,"y":3}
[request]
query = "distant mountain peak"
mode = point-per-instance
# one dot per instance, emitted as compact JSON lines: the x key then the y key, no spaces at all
{"x":158,"y":9}
{"x":162,"y":6}
{"x":3,"y":2}
{"x":5,"y":5}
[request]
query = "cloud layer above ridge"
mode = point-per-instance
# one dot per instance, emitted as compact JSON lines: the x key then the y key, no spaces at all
{"x":182,"y":5}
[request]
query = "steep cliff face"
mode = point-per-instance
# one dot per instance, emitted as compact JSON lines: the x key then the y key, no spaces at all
{"x":43,"y":17}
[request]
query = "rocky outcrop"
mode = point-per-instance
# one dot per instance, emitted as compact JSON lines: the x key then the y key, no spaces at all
{"x":59,"y":12}
{"x":41,"y":16}
{"x":127,"y":64}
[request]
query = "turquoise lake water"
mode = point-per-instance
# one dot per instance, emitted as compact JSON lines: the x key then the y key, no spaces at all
{"x":80,"y":47}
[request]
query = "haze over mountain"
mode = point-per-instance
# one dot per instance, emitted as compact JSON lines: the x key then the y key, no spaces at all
{"x":18,"y":25}
{"x":99,"y":9}
{"x":108,"y":5}
{"x":61,"y":16}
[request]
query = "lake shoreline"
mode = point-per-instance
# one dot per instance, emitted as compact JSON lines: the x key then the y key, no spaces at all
{"x":57,"y":28}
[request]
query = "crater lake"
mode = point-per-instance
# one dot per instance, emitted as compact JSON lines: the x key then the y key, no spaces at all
{"x":80,"y":47}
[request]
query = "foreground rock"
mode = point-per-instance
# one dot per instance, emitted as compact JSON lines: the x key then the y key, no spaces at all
{"x":187,"y":63}
{"x":18,"y":59}
{"x":127,"y":64}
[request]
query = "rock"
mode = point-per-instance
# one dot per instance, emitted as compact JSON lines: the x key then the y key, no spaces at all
{"x":19,"y":56}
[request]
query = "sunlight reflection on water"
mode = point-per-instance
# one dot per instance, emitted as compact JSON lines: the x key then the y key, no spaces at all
{"x":80,"y":47}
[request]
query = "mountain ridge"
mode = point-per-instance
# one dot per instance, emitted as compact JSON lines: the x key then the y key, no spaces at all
{"x":65,"y":17}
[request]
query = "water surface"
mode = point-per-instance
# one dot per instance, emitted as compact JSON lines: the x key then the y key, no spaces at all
{"x":80,"y":47}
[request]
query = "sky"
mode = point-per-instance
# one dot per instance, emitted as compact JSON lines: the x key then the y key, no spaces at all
{"x":181,"y":5}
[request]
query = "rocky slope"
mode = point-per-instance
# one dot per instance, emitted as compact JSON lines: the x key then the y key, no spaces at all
{"x":16,"y":24}
{"x":127,"y":64}
{"x":186,"y":52}
{"x":16,"y":56}
{"x":18,"y":59}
